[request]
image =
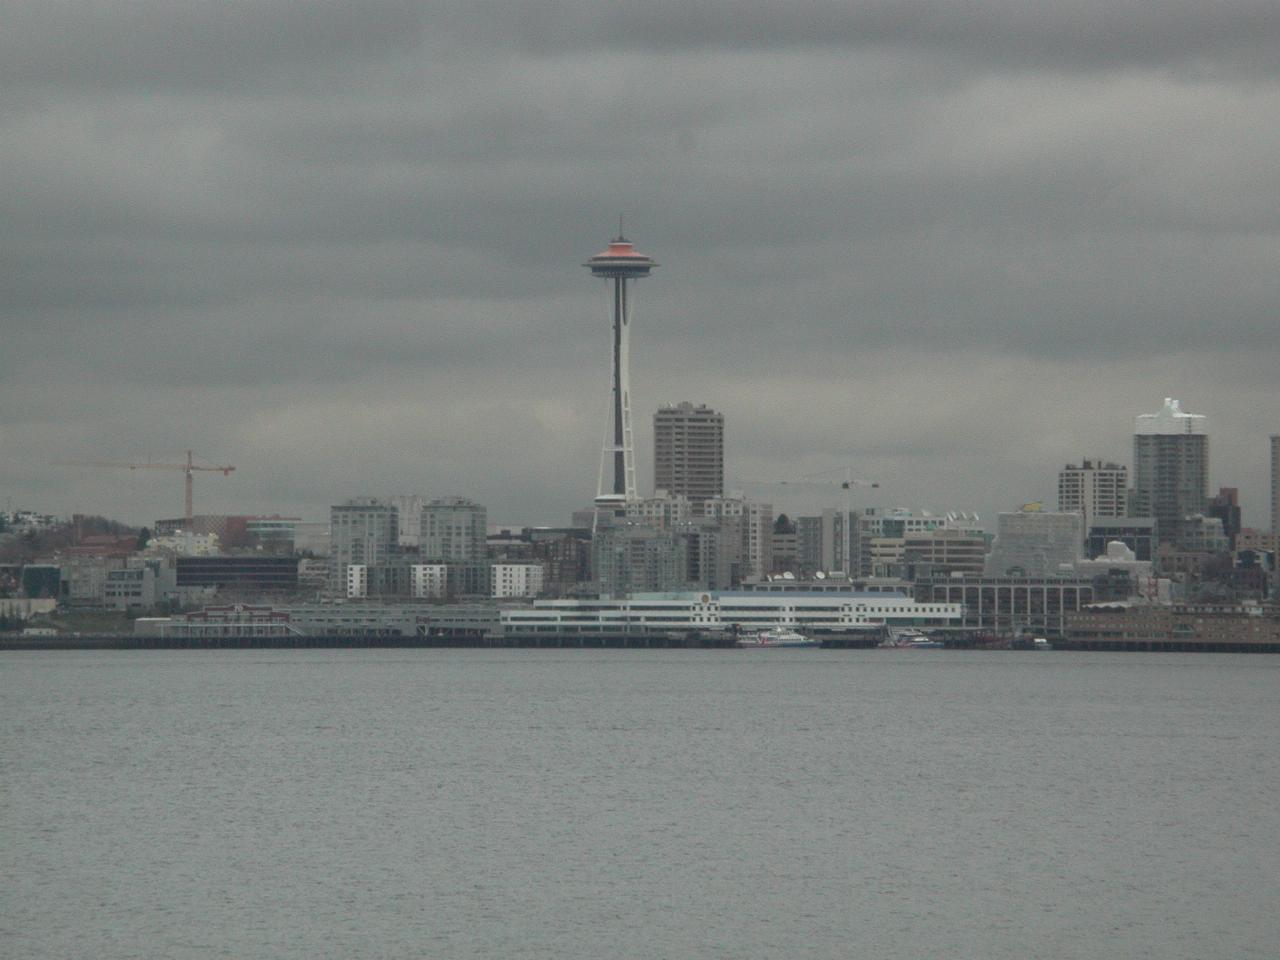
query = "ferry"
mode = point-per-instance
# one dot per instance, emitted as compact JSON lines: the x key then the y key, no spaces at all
{"x":777,"y":637}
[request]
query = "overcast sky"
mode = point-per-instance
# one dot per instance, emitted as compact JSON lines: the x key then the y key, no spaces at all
{"x":338,"y":244}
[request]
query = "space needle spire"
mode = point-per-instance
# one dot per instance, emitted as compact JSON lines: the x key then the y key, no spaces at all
{"x":620,"y":264}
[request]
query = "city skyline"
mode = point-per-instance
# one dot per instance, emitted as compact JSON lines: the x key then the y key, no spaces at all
{"x":958,"y":250}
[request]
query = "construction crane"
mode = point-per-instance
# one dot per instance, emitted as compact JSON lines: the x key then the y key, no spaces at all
{"x":187,"y":468}
{"x":847,"y":483}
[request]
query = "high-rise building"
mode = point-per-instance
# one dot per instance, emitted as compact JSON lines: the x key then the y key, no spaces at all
{"x":619,"y":264}
{"x":756,"y":531}
{"x":1170,"y":468}
{"x":823,"y":543}
{"x":688,"y":451}
{"x":1095,"y":490}
{"x":363,"y":532}
{"x":633,"y":558}
{"x":1275,"y":484}
{"x":454,"y":530}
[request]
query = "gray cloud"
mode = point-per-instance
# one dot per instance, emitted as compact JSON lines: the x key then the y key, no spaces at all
{"x":339,"y":244}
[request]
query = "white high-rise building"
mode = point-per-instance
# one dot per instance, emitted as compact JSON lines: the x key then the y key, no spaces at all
{"x":1095,"y":490}
{"x":1170,"y":468}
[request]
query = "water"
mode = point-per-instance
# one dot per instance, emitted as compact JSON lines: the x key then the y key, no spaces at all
{"x":635,"y":804}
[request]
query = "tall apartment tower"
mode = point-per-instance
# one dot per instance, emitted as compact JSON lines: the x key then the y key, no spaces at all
{"x":1170,"y":468}
{"x":1095,"y":490}
{"x":1275,"y":484}
{"x":454,"y":530}
{"x":362,"y":533}
{"x":688,"y":451}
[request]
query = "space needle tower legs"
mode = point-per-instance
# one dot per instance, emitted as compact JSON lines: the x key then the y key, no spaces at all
{"x":620,"y":264}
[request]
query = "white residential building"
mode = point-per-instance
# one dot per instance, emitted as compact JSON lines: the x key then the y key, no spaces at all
{"x":516,"y":580}
{"x":429,"y":581}
{"x":357,"y":575}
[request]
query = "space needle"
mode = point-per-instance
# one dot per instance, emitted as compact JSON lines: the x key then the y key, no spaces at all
{"x":620,"y":264}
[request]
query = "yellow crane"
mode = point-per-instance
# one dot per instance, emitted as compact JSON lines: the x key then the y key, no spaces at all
{"x":187,"y":468}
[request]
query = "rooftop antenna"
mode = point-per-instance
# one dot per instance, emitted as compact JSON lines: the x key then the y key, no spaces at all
{"x":621,"y":235}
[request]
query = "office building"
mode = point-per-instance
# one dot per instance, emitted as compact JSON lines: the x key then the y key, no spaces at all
{"x":688,"y":451}
{"x":247,"y":573}
{"x":1030,"y":543}
{"x":949,"y":550}
{"x":1095,"y":490}
{"x":1170,"y":468}
{"x":880,"y":536}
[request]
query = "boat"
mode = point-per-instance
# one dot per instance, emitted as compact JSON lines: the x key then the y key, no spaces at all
{"x":777,"y":637}
{"x":911,"y":640}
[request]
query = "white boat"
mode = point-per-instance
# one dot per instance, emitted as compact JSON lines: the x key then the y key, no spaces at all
{"x":777,"y":637}
{"x":911,"y":640}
